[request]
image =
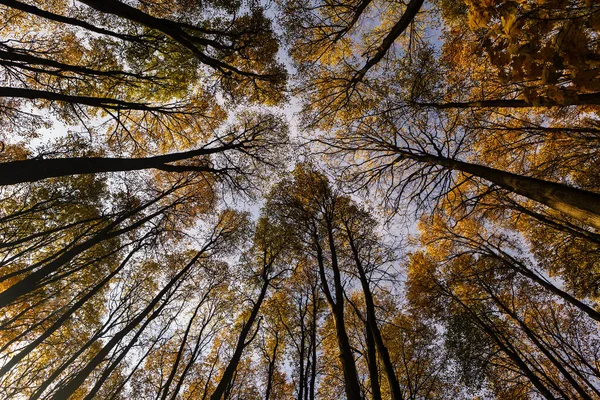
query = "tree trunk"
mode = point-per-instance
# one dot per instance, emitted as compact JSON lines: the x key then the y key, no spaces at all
{"x":271,"y":369}
{"x":372,"y":361}
{"x":59,"y":322}
{"x":559,"y":226}
{"x":372,"y":322}
{"x":539,"y":345}
{"x":353,"y":391}
{"x":180,"y":352}
{"x":66,"y":391}
{"x":101,"y":102}
{"x":66,"y":20}
{"x":302,"y":378}
{"x":32,"y":281}
{"x":576,"y":203}
{"x":17,"y":58}
{"x":34,"y":170}
{"x":582,"y":99}
{"x":228,"y":375}
{"x":508,"y":350}
{"x":313,"y":338}
{"x":169,"y":28}
{"x":403,"y":23}
{"x":520,"y":268}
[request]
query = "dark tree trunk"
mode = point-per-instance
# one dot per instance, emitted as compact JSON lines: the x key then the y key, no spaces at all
{"x":67,"y":390}
{"x":372,"y":322}
{"x":301,"y":353}
{"x":242,"y":342}
{"x":34,"y":170}
{"x":403,"y":23}
{"x":59,"y":322}
{"x":559,"y":226}
{"x":576,"y":203}
{"x":313,"y":338}
{"x":66,"y":20}
{"x":520,"y":268}
{"x":372,"y":362}
{"x":170,"y":28}
{"x":582,"y":99}
{"x":101,"y":102}
{"x":32,"y":282}
{"x":533,"y":337}
{"x":507,"y":349}
{"x":18,"y":58}
{"x":180,"y":353}
{"x":352,"y":386}
{"x":271,"y":369}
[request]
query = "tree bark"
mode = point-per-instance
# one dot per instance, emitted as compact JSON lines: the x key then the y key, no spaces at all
{"x":576,"y":203}
{"x":539,"y":345}
{"x":271,"y":369}
{"x":582,"y":99}
{"x":507,"y":349}
{"x":228,"y":375}
{"x":352,"y":386}
{"x":32,"y":170}
{"x":66,"y":20}
{"x":409,"y":15}
{"x":169,"y":28}
{"x":372,"y":321}
{"x":523,"y":270}
{"x":59,"y":322}
{"x":313,"y":338}
{"x":32,"y":281}
{"x":100,"y":102}
{"x":372,"y":361}
{"x":24,"y":61}
{"x":180,"y":352}
{"x":67,"y":390}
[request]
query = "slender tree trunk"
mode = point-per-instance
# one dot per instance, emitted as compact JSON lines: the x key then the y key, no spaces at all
{"x":539,"y":345}
{"x":119,"y":388}
{"x":194,"y":356}
{"x":66,"y":391}
{"x":170,"y":28}
{"x":313,"y":338}
{"x":24,"y":60}
{"x":48,"y":232}
{"x":372,"y":321}
{"x":372,"y":362}
{"x":180,"y":352}
{"x":576,"y":203}
{"x":346,"y":358}
{"x":301,"y":378}
{"x":229,"y":373}
{"x":65,"y":20}
{"x":110,"y":368}
{"x":32,"y":281}
{"x":353,"y":391}
{"x":508,"y":350}
{"x":61,"y":320}
{"x":523,"y":270}
{"x":105,"y":329}
{"x":34,"y":170}
{"x":559,"y":226}
{"x":271,"y":369}
{"x":403,"y":23}
{"x":582,"y":99}
{"x":101,"y":102}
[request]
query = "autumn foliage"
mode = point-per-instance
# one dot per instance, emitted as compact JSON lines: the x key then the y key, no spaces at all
{"x":299,"y":199}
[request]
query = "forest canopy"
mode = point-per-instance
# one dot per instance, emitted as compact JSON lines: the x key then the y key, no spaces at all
{"x":299,"y":199}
